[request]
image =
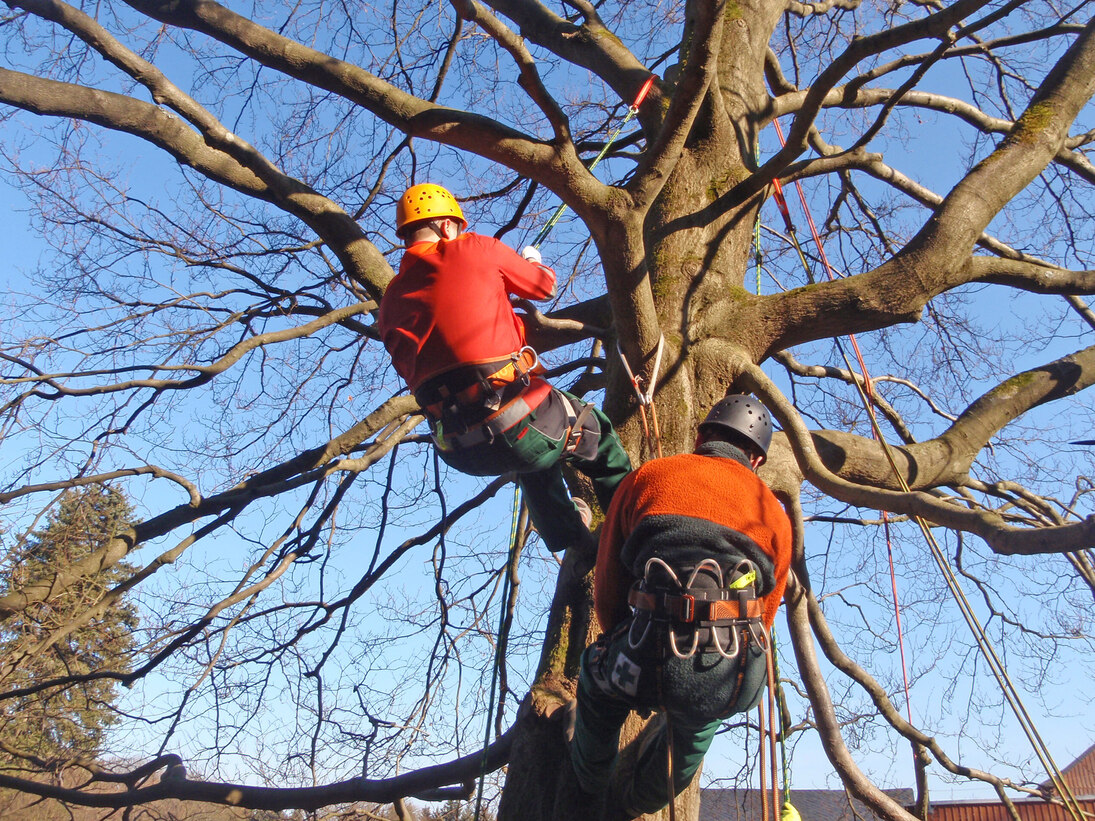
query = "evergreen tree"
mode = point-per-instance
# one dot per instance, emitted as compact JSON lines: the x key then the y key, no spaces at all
{"x":62,"y":723}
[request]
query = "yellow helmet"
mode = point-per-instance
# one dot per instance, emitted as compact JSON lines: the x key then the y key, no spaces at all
{"x":427,"y":201}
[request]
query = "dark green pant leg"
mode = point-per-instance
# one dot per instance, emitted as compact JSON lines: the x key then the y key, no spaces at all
{"x":597,"y":725}
{"x":534,"y":449}
{"x":691,"y":740}
{"x":551,"y":509}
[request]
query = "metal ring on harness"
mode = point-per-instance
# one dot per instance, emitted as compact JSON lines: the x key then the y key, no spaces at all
{"x":759,"y":633}
{"x":712,"y":566}
{"x":525,"y":378}
{"x":655,"y":561}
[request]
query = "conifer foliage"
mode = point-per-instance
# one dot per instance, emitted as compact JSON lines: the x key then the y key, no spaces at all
{"x":61,"y":723}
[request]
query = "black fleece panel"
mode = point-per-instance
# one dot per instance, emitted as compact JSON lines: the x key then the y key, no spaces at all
{"x":685,"y":541}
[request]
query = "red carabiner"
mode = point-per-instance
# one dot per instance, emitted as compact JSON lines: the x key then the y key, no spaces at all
{"x":642,"y":93}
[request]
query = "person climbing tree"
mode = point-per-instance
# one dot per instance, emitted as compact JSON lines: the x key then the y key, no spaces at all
{"x":454,"y":338}
{"x":699,"y":547}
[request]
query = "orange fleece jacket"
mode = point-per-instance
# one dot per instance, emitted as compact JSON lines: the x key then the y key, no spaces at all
{"x":684,"y":507}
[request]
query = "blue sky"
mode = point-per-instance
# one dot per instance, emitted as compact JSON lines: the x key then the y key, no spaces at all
{"x":1066,"y":725}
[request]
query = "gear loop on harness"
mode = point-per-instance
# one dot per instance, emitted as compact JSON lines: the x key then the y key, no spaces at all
{"x":676,"y":604}
{"x":718,"y":644}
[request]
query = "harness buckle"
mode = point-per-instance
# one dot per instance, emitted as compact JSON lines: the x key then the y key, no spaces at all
{"x":687,"y":612}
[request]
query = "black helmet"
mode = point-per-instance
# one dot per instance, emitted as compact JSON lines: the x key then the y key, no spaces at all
{"x":745,"y":415}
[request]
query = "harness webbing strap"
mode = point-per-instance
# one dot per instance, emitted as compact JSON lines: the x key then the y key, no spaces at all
{"x":505,"y":418}
{"x":576,"y":418}
{"x":469,"y":385}
{"x":698,"y":606}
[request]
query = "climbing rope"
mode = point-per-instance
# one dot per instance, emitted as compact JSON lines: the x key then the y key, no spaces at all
{"x":988,"y":651}
{"x":864,"y":389}
{"x":500,"y":645}
{"x":651,"y":434}
{"x":764,"y":806}
{"x":772,"y":683}
{"x":830,"y":275}
{"x":785,"y":768}
{"x":671,"y":775}
{"x":632,"y":110}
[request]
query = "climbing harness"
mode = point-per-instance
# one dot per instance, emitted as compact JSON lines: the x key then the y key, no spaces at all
{"x":632,"y":110}
{"x":651,"y":434}
{"x":864,"y":388}
{"x":474,"y":389}
{"x":695,"y":608}
{"x":473,"y":403}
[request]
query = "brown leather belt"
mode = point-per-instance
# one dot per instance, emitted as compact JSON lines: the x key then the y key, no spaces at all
{"x":689,"y":607}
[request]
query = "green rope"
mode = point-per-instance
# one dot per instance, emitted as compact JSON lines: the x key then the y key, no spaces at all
{"x":781,"y":706}
{"x":563,"y":206}
{"x":632,"y":110}
{"x":511,"y":564}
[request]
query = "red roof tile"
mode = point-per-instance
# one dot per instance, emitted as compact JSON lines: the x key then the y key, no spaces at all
{"x":1080,"y":774}
{"x":1033,"y":810}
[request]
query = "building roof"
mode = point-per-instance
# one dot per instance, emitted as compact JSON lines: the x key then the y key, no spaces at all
{"x":812,"y":805}
{"x":1033,"y":809}
{"x":1080,"y":774}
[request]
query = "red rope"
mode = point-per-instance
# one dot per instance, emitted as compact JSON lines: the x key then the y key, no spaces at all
{"x":772,"y":684}
{"x":763,"y":775}
{"x":868,"y":389}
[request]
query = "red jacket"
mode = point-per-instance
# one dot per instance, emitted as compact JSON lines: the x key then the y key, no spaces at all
{"x":683,"y":509}
{"x":449,"y":306}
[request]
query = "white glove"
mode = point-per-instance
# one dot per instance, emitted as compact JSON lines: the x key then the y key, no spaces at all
{"x":532,"y":254}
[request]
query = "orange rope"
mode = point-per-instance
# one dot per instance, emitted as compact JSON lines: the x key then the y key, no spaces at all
{"x":772,"y":684}
{"x":996,"y":666}
{"x":868,"y":389}
{"x":763,"y":778}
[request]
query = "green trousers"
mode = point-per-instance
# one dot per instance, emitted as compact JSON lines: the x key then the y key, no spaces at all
{"x":601,"y":715}
{"x":534,"y":449}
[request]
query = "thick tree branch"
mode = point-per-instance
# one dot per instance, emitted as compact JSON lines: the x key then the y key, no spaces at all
{"x":989,"y":525}
{"x":383,"y":790}
{"x":1032,"y":277}
{"x":292,"y":473}
{"x":360,"y":257}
